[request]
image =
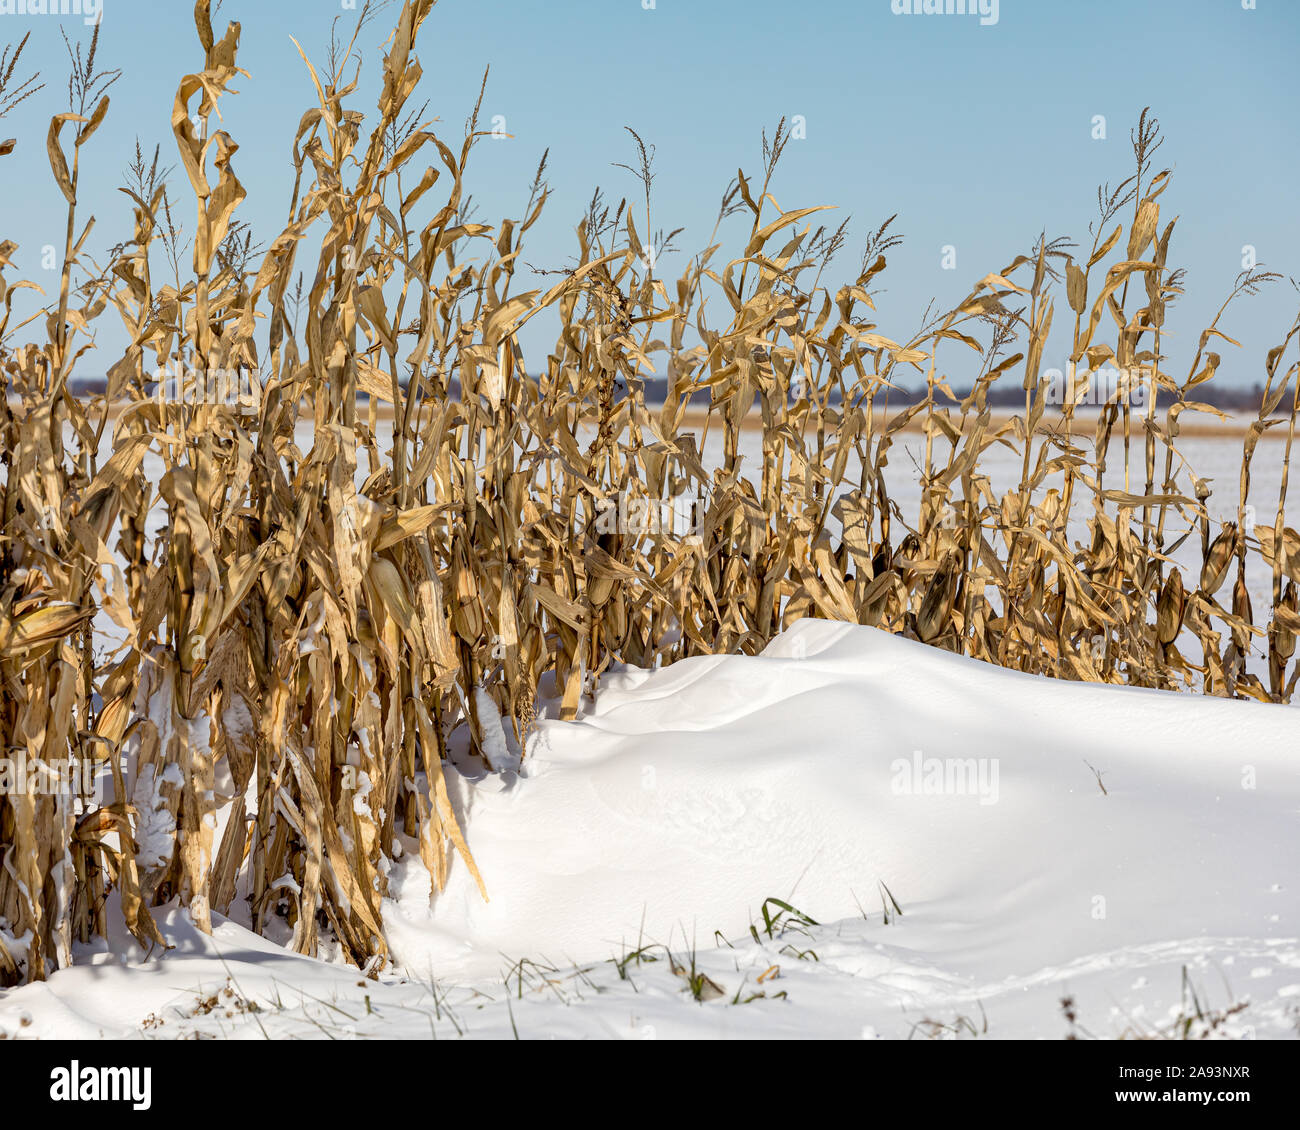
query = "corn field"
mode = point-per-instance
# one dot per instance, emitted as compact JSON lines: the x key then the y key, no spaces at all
{"x":267,"y":651}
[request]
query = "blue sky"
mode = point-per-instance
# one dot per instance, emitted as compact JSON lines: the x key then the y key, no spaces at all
{"x":979,"y":137}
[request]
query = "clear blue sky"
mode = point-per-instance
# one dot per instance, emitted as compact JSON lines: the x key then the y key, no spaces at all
{"x":978,"y":136}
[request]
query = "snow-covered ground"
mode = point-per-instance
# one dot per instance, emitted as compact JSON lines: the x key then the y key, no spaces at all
{"x":964,"y":849}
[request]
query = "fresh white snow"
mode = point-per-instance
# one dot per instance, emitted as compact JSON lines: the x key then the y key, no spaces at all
{"x":843,"y":771}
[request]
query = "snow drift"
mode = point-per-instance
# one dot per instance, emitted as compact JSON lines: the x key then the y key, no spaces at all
{"x":690,"y":794}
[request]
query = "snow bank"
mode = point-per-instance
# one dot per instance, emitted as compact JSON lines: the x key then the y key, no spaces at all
{"x":689,"y":795}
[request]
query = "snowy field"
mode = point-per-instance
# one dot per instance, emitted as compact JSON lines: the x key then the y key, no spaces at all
{"x":963,"y":849}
